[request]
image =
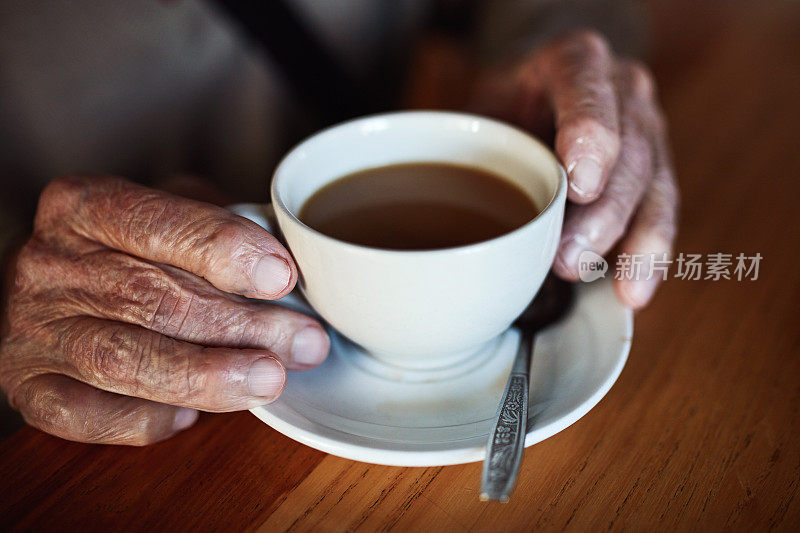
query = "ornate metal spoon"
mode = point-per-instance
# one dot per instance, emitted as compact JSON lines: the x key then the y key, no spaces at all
{"x":507,"y":438}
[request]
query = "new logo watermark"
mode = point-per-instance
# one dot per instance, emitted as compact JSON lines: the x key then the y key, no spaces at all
{"x":591,"y":266}
{"x":712,"y":266}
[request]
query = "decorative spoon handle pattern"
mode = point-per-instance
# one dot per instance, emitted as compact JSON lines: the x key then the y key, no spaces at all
{"x":507,"y":438}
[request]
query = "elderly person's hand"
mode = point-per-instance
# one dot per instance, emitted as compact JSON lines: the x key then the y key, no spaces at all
{"x":124,"y":319}
{"x":611,"y":137}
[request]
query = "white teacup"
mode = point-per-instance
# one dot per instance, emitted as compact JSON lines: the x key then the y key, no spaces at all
{"x":420,"y":309}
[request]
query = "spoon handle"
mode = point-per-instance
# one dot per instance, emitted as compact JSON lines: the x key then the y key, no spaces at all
{"x":507,"y":438}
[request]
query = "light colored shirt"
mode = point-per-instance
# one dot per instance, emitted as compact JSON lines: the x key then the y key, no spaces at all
{"x":147,"y":88}
{"x":142,"y":88}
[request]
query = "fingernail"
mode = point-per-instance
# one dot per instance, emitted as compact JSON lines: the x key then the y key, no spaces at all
{"x":585,"y":175}
{"x":184,"y":417}
{"x":639,"y":292}
{"x":266,"y":378}
{"x":310,"y":346}
{"x":271,"y":275}
{"x":570,"y":251}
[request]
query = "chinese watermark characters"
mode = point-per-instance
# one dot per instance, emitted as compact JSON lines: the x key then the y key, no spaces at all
{"x":713,"y":266}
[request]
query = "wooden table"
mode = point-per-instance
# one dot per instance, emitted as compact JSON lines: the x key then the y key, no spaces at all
{"x":701,"y":432}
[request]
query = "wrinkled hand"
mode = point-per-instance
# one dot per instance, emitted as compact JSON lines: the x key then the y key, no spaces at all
{"x":123,"y":318}
{"x":611,"y":137}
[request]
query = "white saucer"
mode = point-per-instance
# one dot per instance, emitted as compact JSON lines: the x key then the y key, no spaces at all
{"x":354,"y":407}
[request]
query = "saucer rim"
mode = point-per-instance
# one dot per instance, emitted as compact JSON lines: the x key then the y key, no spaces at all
{"x":346,"y":445}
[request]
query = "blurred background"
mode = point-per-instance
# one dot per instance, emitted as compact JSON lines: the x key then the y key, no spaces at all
{"x":701,"y":427}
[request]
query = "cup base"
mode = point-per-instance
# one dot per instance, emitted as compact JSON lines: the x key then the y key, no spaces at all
{"x":449,"y":368}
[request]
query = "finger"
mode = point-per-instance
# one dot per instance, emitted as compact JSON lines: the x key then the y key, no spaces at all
{"x":233,"y":253}
{"x":652,"y":232}
{"x":134,"y":361}
{"x":598,"y":226}
{"x":579,"y":73}
{"x":72,"y":410}
{"x":116,"y":286}
{"x":517,"y":96}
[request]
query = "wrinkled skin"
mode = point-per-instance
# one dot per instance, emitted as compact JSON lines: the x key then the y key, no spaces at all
{"x":611,"y":137}
{"x":120,"y":328}
{"x":127,"y":311}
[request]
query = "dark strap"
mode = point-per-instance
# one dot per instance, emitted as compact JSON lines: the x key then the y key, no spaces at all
{"x":453,"y":18}
{"x":316,"y":77}
{"x":314,"y":74}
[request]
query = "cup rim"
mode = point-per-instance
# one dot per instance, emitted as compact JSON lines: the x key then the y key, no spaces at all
{"x":560,"y":193}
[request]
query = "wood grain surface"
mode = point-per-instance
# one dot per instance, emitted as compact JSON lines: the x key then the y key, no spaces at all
{"x":701,"y":432}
